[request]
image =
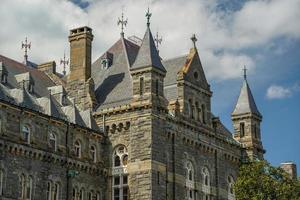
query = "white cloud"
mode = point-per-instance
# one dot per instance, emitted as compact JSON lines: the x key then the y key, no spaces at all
{"x":278,"y":92}
{"x":47,"y":22}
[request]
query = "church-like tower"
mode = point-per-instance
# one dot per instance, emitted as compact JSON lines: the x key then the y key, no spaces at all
{"x":246,"y":122}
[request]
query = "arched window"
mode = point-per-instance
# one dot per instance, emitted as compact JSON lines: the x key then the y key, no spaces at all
{"x":91,"y":195}
{"x":206,"y":183}
{"x":242,"y":129}
{"x":56,"y":191}
{"x":98,"y":196}
{"x":191,"y":109}
{"x":81,"y":194}
{"x":120,"y":177}
{"x":189,"y":181}
{"x":198,"y":112}
{"x":26,"y":133}
{"x":74,"y":194}
{"x":52,"y":141}
{"x":203,"y":113}
{"x":23,"y":186}
{"x":231,"y":195}
{"x":93,"y":153}
{"x":49,"y":189}
{"x":78,"y":149}
{"x":29,"y":185}
{"x":1,"y":181}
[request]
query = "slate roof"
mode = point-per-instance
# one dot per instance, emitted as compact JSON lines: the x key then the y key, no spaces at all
{"x":113,"y":86}
{"x":148,"y":55}
{"x":245,"y":103}
{"x":40,"y":100}
{"x":172,"y":66}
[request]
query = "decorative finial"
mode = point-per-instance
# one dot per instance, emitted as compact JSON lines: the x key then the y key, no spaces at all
{"x":194,"y":40}
{"x":157,"y":40}
{"x":26,"y":46}
{"x":245,"y":72}
{"x":122,"y":22}
{"x":65,"y":63}
{"x":148,"y":15}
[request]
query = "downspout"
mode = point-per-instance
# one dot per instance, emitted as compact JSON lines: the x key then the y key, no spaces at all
{"x":67,"y":156}
{"x":173,"y":165}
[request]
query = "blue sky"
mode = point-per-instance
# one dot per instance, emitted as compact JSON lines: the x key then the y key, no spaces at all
{"x":264,"y":35}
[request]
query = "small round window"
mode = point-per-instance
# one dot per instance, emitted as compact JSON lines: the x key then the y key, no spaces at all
{"x":196,"y":75}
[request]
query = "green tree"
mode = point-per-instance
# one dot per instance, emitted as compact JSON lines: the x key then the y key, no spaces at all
{"x":259,"y":180}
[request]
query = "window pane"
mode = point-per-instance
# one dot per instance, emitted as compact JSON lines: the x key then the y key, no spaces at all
{"x":125,"y":193}
{"x":117,"y":180}
{"x":117,"y":161}
{"x":125,"y":160}
{"x":125,"y":179}
{"x":116,"y":193}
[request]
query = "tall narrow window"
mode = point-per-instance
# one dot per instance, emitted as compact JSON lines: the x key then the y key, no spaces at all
{"x":29,"y":185}
{"x":74,"y":194}
{"x":98,"y":196}
{"x":91,"y":195}
{"x":156,"y":86}
{"x":81,"y":194}
{"x":93,"y":153}
{"x":52,"y":141}
{"x":255,"y":131}
{"x":191,"y":109}
{"x":1,"y":181}
{"x":198,"y":112}
{"x":203,"y":113}
{"x":242,"y":129}
{"x":120,"y":178}
{"x":141,"y":86}
{"x":56,"y":191}
{"x":78,"y":149}
{"x":23,"y":185}
{"x":231,"y":195}
{"x":26,"y":134}
{"x":206,"y":182}
{"x":189,"y":181}
{"x":49,"y":189}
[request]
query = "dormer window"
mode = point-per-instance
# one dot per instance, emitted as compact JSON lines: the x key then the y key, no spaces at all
{"x":30,"y":87}
{"x":105,"y":63}
{"x":106,"y":60}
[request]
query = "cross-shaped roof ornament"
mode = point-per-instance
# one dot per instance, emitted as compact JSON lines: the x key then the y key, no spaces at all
{"x":194,"y":40}
{"x":26,"y":46}
{"x":148,"y":15}
{"x":245,"y":72}
{"x":157,"y":40}
{"x":123,"y":23}
{"x":65,"y":62}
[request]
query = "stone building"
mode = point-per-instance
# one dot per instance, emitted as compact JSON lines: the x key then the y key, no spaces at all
{"x":129,"y":126}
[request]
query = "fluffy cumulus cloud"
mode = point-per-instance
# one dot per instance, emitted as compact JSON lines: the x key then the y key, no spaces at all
{"x":281,"y":92}
{"x":223,"y":34}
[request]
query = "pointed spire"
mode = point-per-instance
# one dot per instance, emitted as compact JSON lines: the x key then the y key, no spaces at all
{"x":245,"y":103}
{"x":148,"y":15}
{"x":122,"y":22}
{"x":194,"y":40}
{"x":148,"y":54}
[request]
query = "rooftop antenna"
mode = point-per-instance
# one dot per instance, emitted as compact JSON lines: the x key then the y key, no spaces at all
{"x":158,"y":40}
{"x":194,"y":40}
{"x":122,"y":22}
{"x":65,"y":62}
{"x":26,"y":46}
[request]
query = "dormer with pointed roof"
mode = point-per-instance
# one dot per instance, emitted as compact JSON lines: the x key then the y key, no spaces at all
{"x":246,"y":121}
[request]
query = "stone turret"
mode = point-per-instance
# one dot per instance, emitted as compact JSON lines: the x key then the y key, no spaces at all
{"x":290,"y":168}
{"x":246,"y":122}
{"x":80,"y":85}
{"x":148,"y":73}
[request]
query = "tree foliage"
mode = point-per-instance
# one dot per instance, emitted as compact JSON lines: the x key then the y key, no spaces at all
{"x":259,"y":180}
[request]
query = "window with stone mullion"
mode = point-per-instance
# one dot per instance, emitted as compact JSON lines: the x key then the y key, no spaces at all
{"x":120,"y":187}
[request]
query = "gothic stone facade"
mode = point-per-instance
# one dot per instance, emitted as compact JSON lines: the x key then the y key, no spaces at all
{"x":129,"y":126}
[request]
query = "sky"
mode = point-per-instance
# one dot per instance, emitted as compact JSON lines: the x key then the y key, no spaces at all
{"x":263,"y":35}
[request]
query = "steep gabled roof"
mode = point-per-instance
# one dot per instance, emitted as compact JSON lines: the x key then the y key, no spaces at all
{"x":113,"y":85}
{"x":245,"y":103}
{"x":148,"y":55}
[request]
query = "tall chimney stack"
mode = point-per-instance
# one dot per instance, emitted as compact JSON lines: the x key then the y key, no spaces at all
{"x":80,"y":53}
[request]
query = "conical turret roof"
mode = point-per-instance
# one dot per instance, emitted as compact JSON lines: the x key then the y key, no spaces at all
{"x":148,"y":55}
{"x":245,"y":103}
